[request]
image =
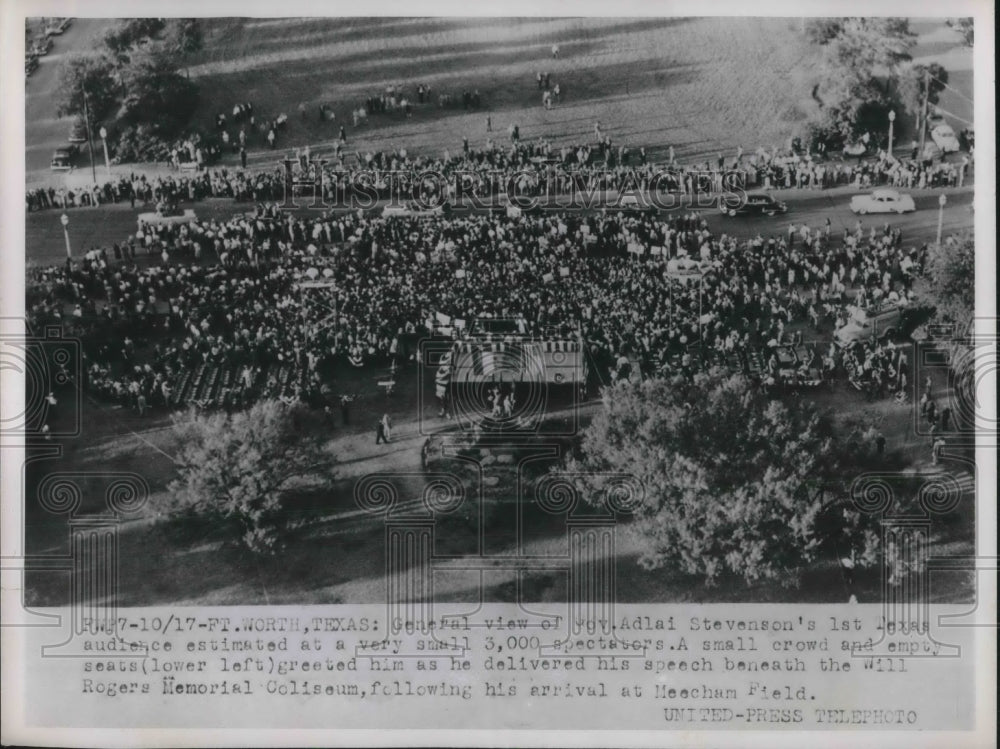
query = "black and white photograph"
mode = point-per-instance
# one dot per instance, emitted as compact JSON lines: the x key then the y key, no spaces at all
{"x":524,"y":365}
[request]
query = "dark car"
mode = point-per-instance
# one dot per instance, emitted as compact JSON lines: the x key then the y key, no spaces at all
{"x":62,"y":159}
{"x":755,"y":204}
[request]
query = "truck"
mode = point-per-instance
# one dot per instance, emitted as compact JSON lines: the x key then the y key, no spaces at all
{"x":886,"y":322}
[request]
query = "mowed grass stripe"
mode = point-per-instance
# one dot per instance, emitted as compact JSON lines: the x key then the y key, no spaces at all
{"x":700,"y":85}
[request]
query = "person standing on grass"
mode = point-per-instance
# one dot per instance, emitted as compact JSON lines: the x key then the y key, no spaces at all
{"x":489,"y":124}
{"x":243,"y":157}
{"x":271,"y":138}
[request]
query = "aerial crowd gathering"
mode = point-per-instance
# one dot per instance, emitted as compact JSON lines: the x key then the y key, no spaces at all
{"x":220,"y":313}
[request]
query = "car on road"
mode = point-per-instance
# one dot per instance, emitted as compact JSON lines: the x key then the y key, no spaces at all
{"x":759,"y":203}
{"x":62,"y":158}
{"x":882,"y":201}
{"x":41,"y":46}
{"x":77,"y":131}
{"x":632,"y":203}
{"x":887,"y":322}
{"x":944,"y":137}
{"x":58,"y":26}
{"x":413,"y":209}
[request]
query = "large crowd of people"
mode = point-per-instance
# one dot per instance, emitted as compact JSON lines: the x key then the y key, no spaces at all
{"x":532,"y":168}
{"x":224,"y":313}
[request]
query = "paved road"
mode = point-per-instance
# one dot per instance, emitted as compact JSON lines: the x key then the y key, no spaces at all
{"x":102,"y":226}
{"x":46,"y":131}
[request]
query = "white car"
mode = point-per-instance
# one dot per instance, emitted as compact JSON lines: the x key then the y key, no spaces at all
{"x":944,"y":137}
{"x":882,"y":201}
{"x":415,"y":210}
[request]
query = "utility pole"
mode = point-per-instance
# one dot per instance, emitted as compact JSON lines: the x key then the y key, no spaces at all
{"x":90,"y":141}
{"x":923,"y":117}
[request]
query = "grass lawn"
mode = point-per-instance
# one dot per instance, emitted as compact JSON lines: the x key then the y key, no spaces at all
{"x":699,"y":84}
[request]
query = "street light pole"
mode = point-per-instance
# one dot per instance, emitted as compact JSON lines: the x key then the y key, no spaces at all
{"x":103,"y":132}
{"x":90,"y":140}
{"x":941,"y":203}
{"x":892,"y":119}
{"x":923,"y":110}
{"x":64,"y":220}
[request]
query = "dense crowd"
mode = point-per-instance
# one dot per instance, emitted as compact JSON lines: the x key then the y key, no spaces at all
{"x":532,"y":168}
{"x":228,"y":299}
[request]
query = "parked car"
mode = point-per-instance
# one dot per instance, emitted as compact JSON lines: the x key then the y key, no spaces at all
{"x":41,"y":45}
{"x":882,"y":201}
{"x":58,"y":26}
{"x":413,"y":209}
{"x":889,"y":321}
{"x":78,"y":131}
{"x":759,"y":203}
{"x":855,"y":149}
{"x":631,"y":203}
{"x":62,"y":158}
{"x":945,"y":138}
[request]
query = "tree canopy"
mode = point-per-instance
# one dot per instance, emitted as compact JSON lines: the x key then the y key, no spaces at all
{"x":240,"y":469}
{"x":136,"y":77}
{"x":865,"y":60}
{"x":736,"y":483}
{"x":949,"y":280}
{"x":90,"y":76}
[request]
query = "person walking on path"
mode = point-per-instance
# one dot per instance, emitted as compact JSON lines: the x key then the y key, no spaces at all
{"x":383,"y":430}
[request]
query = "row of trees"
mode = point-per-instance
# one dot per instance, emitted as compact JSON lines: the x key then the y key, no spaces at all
{"x":135,"y":79}
{"x":869,"y":72}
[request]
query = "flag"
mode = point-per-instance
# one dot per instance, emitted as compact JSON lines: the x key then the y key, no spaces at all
{"x":547,"y":277}
{"x":563,"y":271}
{"x":459,"y":323}
{"x":442,"y":319}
